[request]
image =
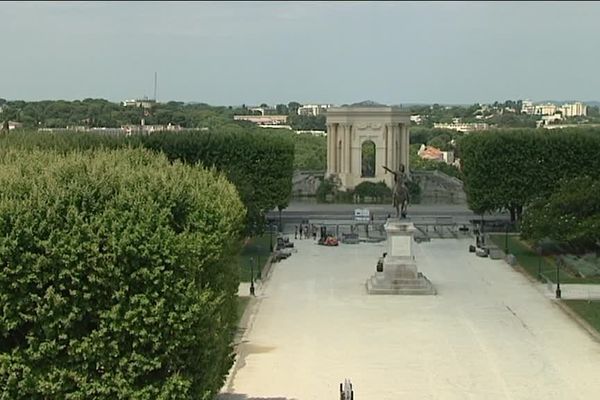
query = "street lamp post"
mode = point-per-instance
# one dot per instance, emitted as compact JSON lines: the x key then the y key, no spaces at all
{"x":506,"y":240}
{"x":539,"y":252}
{"x":558,"y":292}
{"x":271,"y":232}
{"x":251,"y":276}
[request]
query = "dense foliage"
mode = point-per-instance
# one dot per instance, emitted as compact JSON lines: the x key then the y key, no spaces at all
{"x":115,"y":279}
{"x":506,"y":114}
{"x":310,"y":152}
{"x":100,"y":112}
{"x":307,"y":122}
{"x":379,"y":191}
{"x":364,"y":192}
{"x":510,"y":169}
{"x":258,"y":162}
{"x":570,"y":215}
{"x":103,"y":113}
{"x":417,"y":163}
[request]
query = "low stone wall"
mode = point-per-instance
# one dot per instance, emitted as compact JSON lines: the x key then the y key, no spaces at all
{"x":439,"y":188}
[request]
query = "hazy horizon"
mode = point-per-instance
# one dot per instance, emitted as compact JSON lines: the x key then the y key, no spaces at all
{"x":325,"y":52}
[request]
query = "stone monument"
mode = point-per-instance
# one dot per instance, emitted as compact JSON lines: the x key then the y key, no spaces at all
{"x":400,"y":274}
{"x":361,"y":138}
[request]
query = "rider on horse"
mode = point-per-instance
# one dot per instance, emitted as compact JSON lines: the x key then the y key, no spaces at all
{"x":400,"y":191}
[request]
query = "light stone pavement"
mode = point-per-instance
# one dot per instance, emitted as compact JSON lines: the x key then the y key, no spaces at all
{"x":488,"y":334}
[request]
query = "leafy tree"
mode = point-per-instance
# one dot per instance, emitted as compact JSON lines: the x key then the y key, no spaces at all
{"x":293,"y":107}
{"x":282,"y":109}
{"x":441,"y":142}
{"x":570,"y":215}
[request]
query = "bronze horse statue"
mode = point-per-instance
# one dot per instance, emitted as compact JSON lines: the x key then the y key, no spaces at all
{"x":400,"y":191}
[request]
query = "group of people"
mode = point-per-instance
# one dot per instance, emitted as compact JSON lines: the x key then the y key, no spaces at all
{"x":305,"y":231}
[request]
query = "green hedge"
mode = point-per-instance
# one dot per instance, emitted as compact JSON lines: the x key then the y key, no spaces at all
{"x":260,"y":164}
{"x":508,"y":169}
{"x":115,"y":280}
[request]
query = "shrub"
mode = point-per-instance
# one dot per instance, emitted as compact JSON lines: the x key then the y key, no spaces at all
{"x":115,"y":280}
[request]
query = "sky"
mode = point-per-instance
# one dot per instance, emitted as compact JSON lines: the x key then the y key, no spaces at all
{"x":234,"y":53}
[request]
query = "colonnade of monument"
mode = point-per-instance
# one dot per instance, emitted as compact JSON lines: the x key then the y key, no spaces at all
{"x":348,"y":128}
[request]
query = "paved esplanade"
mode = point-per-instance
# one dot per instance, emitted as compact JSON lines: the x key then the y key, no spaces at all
{"x":488,"y":334}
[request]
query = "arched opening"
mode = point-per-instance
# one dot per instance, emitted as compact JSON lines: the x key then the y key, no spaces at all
{"x":367,"y":157}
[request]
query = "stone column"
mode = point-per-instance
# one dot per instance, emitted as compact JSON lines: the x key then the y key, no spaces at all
{"x":396,"y":157}
{"x":404,"y":149}
{"x":344,"y":149}
{"x":386,"y":143}
{"x":338,"y":154}
{"x":329,"y":139}
{"x":331,"y":148}
{"x":349,"y":147}
{"x":406,"y":145}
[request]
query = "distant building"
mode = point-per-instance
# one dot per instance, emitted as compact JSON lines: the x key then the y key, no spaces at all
{"x":435,"y":154}
{"x":143,"y":128}
{"x":313,"y":109}
{"x":313,"y":132}
{"x":12,"y":125}
{"x":549,"y":119}
{"x":577,"y":109}
{"x":527,"y":107}
{"x":263,"y":119}
{"x":144,"y":103}
{"x":417,"y":119}
{"x":568,"y":110}
{"x":463,"y":127}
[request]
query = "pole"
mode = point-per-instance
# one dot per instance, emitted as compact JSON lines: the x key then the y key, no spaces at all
{"x":506,"y":240}
{"x":271,"y":232}
{"x":539,"y":263}
{"x":558,"y":292}
{"x":251,"y":276}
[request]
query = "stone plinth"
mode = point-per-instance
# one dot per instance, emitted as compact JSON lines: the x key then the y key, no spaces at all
{"x":400,"y":274}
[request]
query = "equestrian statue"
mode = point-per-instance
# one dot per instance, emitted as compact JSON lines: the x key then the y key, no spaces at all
{"x":400,"y":191}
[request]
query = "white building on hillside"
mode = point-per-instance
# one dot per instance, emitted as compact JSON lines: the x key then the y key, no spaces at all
{"x":576,"y":109}
{"x":313,"y":109}
{"x":144,"y":103}
{"x":463,"y":127}
{"x":568,"y":110}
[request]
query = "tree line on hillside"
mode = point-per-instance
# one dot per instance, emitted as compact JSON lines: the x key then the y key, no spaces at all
{"x":103,"y":113}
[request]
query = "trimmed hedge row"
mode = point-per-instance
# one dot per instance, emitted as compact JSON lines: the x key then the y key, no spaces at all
{"x":115,"y":277}
{"x":511,"y":169}
{"x":260,"y":164}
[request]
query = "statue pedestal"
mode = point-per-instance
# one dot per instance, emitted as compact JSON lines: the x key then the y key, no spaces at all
{"x":400,"y":274}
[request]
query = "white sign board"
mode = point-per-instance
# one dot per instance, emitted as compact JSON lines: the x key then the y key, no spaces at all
{"x":361,"y":214}
{"x":401,"y":246}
